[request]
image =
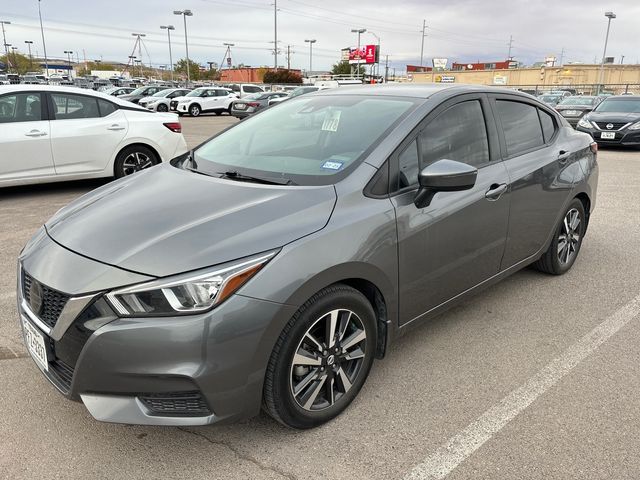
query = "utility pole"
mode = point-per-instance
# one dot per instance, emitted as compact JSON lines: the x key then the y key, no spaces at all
{"x":275,"y":34}
{"x":69,"y":53}
{"x":29,"y":42}
{"x":310,"y":42}
{"x":44,"y":45}
{"x":4,"y":38}
{"x":621,"y":59}
{"x":424,"y":28}
{"x":561,"y":57}
{"x":510,"y":46}
{"x":386,"y":68}
{"x":139,"y":42}
{"x":289,"y":52}
{"x":227,"y":55}
{"x":168,"y":28}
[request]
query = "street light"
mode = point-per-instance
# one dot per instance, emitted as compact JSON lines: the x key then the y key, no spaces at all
{"x":610,"y":16}
{"x":44,"y":45}
{"x":15,"y":58}
{"x":359,"y":31}
{"x":310,"y":42}
{"x":4,"y":38}
{"x":168,"y":28}
{"x":29,"y":43}
{"x":69,"y":53}
{"x":185,"y":14}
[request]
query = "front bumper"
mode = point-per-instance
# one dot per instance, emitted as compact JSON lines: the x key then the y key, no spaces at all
{"x":623,"y":137}
{"x":189,"y":370}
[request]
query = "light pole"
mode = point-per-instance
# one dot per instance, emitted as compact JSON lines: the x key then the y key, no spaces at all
{"x":139,"y":62}
{"x":310,"y":42}
{"x":15,"y":58}
{"x":4,"y":38}
{"x":359,"y":31}
{"x":44,"y":45}
{"x":29,"y":43}
{"x":69,"y":53}
{"x":185,"y":14}
{"x":610,"y":16}
{"x":168,"y":28}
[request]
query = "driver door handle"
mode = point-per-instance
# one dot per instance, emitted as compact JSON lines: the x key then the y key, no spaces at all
{"x":35,"y":133}
{"x":563,"y":156}
{"x":495,"y":191}
{"x":115,"y":127}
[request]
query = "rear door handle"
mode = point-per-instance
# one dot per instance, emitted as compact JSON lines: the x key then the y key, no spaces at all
{"x":495,"y":191}
{"x":563,"y":157}
{"x":115,"y":127}
{"x":35,"y":133}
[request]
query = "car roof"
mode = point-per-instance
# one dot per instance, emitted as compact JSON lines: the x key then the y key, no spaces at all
{"x":416,"y":90}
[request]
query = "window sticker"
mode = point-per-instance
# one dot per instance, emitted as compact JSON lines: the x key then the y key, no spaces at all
{"x":331,"y":121}
{"x":328,"y":165}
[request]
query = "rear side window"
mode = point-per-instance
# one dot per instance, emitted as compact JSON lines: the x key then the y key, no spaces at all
{"x":458,"y":133}
{"x":252,"y":89}
{"x":522,"y":130}
{"x":548,"y":125}
{"x":20,"y":107}
{"x":106,"y":108}
{"x":222,"y":93}
{"x":69,"y":106}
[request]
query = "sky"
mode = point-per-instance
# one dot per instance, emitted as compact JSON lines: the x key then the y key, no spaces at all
{"x":460,"y":30}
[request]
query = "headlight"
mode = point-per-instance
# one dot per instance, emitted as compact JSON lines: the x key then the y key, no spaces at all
{"x":187,"y":293}
{"x":584,"y":123}
{"x":635,"y":126}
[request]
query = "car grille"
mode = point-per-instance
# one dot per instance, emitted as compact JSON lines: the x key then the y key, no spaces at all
{"x":173,"y":105}
{"x":53,"y":302}
{"x":176,"y":404}
{"x":616,"y":125}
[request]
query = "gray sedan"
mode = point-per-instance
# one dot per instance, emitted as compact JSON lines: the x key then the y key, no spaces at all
{"x":281,"y":257}
{"x":253,"y":103}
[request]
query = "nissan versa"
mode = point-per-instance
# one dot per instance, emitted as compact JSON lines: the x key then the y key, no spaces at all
{"x":270,"y":266}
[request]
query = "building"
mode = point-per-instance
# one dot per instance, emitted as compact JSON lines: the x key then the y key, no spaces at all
{"x":418,"y":68}
{"x":617,"y":78}
{"x":247,"y":74}
{"x":493,"y":65}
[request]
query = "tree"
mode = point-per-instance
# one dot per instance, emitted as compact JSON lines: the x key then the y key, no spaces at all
{"x":343,"y":68}
{"x":281,"y":76}
{"x":194,"y":68}
{"x":94,"y":66}
{"x":18,"y":63}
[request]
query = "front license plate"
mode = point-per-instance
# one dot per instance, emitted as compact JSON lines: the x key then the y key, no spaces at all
{"x":608,"y":135}
{"x":35,"y":344}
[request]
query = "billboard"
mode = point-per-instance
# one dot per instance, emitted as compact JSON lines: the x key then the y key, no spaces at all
{"x":366,"y":54}
{"x":440,"y":63}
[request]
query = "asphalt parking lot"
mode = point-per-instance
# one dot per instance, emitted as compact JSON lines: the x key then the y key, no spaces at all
{"x":537,"y":377}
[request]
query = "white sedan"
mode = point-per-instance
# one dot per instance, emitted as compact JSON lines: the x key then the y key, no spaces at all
{"x":51,"y":133}
{"x":159,"y":102}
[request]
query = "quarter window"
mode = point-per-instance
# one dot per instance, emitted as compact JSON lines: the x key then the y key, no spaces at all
{"x":548,"y":125}
{"x":106,"y":108}
{"x":69,"y":106}
{"x":20,"y":107}
{"x":522,"y":130}
{"x":458,"y":134}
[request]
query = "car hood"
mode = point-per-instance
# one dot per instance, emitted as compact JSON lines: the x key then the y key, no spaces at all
{"x":166,"y":220}
{"x":619,"y":117}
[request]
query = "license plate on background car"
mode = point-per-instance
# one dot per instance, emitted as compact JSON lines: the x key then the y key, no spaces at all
{"x":571,"y":113}
{"x":608,"y":135}
{"x":35,"y":344}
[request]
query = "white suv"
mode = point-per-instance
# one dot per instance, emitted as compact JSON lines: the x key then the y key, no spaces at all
{"x":159,"y":102}
{"x":204,"y":99}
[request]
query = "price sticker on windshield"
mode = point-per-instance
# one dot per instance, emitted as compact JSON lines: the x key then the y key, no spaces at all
{"x":331,"y":121}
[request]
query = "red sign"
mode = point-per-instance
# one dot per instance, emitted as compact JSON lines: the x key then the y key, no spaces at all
{"x":366,"y":54}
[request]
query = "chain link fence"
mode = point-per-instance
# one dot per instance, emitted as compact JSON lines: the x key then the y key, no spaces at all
{"x":581,"y":89}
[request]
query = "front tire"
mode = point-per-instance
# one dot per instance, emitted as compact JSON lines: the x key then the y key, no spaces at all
{"x":133,"y":159}
{"x":194,"y":110}
{"x":321,"y":359}
{"x":564,"y":249}
{"x":163,"y":108}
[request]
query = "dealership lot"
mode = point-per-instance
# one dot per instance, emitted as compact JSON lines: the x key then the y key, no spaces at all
{"x":442,"y":385}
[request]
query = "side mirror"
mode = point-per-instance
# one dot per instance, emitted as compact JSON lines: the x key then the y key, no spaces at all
{"x":444,"y":176}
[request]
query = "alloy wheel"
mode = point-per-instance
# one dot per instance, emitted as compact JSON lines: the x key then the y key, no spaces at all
{"x":136,"y":161}
{"x":328,"y":360}
{"x":569,"y":237}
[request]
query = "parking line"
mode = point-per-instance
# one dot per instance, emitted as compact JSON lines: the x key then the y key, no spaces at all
{"x":459,"y":447}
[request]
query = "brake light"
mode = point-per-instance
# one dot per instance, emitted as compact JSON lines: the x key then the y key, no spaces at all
{"x":174,"y":126}
{"x":253,"y":104}
{"x":594,"y":147}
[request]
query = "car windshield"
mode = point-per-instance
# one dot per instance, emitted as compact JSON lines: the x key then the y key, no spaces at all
{"x":308,"y":140}
{"x":578,"y":101}
{"x":196,"y":93}
{"x":302,"y":90}
{"x":622,"y":105}
{"x":163,"y":93}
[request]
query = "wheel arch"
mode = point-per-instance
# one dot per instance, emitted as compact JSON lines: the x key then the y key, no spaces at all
{"x":586,"y":203}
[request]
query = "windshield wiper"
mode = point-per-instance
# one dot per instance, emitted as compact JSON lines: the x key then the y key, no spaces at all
{"x":234,"y":175}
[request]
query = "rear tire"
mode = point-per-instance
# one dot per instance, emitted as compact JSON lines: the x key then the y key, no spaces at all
{"x":163,"y":108}
{"x":321,"y":359}
{"x":133,"y":159}
{"x":565,"y":246}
